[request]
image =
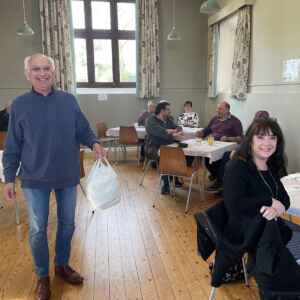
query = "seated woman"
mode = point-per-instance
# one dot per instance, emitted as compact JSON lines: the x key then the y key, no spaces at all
{"x":253,"y":191}
{"x":188,"y":118}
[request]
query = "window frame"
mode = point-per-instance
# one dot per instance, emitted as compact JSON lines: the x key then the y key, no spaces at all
{"x":89,"y":34}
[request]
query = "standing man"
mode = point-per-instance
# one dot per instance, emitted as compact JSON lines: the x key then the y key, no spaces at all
{"x":45,"y":131}
{"x":223,"y":127}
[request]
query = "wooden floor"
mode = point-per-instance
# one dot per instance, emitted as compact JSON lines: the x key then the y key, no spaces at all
{"x":131,"y":251}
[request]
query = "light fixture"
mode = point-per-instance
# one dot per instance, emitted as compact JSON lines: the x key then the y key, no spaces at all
{"x":174,"y":34}
{"x":25,"y":30}
{"x":209,"y":7}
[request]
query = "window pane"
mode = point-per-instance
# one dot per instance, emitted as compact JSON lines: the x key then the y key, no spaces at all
{"x":225,"y":53}
{"x":103,"y":61}
{"x":127,"y":55}
{"x":126,"y":16}
{"x":78,"y":14}
{"x":100,"y":15}
{"x":80,"y":60}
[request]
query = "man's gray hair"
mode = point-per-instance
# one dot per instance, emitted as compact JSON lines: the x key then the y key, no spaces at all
{"x":28,"y":59}
{"x":150,"y":102}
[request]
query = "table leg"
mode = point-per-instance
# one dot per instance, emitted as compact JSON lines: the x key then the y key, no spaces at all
{"x":203,"y":179}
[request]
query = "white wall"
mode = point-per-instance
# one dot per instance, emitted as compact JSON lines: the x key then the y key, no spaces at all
{"x":275,"y":38}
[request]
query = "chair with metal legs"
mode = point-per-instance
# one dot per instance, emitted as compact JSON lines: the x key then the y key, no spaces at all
{"x":107,"y":141}
{"x":210,"y":237}
{"x":172,"y":162}
{"x":128,"y":137}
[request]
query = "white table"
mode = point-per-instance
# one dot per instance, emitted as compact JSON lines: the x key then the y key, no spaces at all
{"x":292,"y":186}
{"x":188,"y":132}
{"x":200,"y":148}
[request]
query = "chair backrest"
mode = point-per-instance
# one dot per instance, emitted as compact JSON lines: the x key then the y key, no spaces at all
{"x":216,"y":218}
{"x":2,"y":139}
{"x":101,"y":129}
{"x":172,"y":161}
{"x":128,"y":135}
{"x":82,"y":172}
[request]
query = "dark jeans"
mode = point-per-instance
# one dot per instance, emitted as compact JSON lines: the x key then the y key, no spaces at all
{"x":142,"y":149}
{"x":217,"y":168}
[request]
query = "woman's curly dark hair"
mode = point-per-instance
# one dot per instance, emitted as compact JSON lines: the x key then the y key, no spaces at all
{"x":277,"y":161}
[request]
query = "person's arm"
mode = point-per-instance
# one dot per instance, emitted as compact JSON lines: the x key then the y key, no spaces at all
{"x":85,"y":134}
{"x":283,"y":196}
{"x":237,"y":133}
{"x":237,"y":198}
{"x":12,"y":155}
{"x":196,"y":120}
{"x":13,"y":147}
{"x":154,"y":129}
{"x":234,"y":139}
{"x":180,"y":120}
{"x":205,"y":131}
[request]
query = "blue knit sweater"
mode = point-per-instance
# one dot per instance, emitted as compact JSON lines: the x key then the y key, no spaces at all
{"x":44,"y":135}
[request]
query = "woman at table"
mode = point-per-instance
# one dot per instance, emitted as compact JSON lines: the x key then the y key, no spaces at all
{"x":188,"y":118}
{"x":253,"y":191}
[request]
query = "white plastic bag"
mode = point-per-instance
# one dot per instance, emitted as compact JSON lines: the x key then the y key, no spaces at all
{"x":102,"y":186}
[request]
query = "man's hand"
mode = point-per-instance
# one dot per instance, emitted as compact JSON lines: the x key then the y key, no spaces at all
{"x":200,"y":134}
{"x":9,"y":191}
{"x":99,"y":151}
{"x":171,"y":131}
{"x":177,"y":134}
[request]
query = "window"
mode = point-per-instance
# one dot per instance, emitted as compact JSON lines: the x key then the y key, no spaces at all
{"x":225,"y":54}
{"x":105,"y":47}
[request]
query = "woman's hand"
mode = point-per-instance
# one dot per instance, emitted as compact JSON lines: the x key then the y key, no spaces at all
{"x":280,"y":208}
{"x":269,"y":212}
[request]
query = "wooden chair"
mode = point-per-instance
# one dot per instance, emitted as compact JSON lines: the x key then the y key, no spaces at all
{"x":128,"y":137}
{"x":109,"y":141}
{"x":172,"y":163}
{"x":2,"y":145}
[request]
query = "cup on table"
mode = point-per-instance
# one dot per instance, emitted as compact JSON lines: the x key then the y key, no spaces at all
{"x":210,"y":140}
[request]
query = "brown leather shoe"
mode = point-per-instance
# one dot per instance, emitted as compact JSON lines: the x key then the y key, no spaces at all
{"x":42,"y":290}
{"x":68,"y":274}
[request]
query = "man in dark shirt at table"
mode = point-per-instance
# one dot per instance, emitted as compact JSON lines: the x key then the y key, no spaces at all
{"x":146,"y":114}
{"x":142,"y":119}
{"x":161,"y":130}
{"x":223,"y":127}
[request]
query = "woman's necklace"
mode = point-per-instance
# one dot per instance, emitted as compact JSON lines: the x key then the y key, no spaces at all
{"x":267,"y":184}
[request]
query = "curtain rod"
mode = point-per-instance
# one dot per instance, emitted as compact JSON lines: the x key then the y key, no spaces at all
{"x":228,"y":10}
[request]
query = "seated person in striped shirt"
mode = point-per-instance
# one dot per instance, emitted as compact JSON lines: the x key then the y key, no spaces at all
{"x":189,"y":118}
